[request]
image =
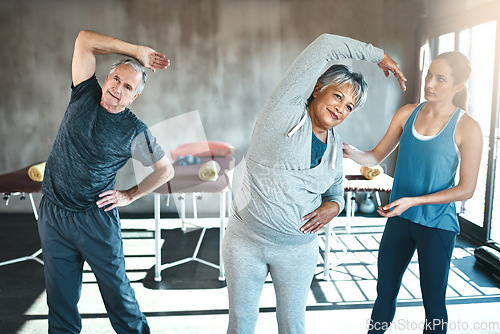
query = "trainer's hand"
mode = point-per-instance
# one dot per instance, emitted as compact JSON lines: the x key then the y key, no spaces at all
{"x":320,"y":217}
{"x":397,"y":207}
{"x":347,"y":150}
{"x":387,"y":65}
{"x":114,"y":199}
{"x":152,"y":59}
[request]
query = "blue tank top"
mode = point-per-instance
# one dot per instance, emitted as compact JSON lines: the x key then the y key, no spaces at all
{"x":427,"y":166}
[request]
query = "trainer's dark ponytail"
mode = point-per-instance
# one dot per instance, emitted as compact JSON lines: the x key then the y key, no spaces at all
{"x":460,"y":99}
{"x":460,"y":70}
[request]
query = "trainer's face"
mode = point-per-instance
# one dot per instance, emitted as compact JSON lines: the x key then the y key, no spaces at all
{"x":439,"y":82}
{"x":118,"y":91}
{"x":331,"y":105}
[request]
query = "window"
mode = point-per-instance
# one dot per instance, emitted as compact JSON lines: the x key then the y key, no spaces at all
{"x":478,"y":44}
{"x":446,"y":43}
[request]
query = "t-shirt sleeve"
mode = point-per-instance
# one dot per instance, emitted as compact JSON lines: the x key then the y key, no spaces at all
{"x":146,"y":149}
{"x":89,"y":86}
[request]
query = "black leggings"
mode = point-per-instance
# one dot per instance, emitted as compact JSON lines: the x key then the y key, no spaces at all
{"x":434,"y":248}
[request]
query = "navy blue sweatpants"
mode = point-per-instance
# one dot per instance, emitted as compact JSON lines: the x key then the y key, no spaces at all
{"x":70,"y":238}
{"x":434,"y":248}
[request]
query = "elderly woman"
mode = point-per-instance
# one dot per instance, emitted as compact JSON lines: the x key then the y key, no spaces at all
{"x":292,"y":185}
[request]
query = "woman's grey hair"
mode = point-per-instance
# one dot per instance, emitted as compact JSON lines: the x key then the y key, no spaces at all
{"x":340,"y":75}
{"x":136,"y":65}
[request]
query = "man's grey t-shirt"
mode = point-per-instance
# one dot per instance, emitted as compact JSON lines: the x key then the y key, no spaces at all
{"x":91,"y":145}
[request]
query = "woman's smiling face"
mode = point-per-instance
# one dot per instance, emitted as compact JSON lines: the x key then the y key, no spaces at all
{"x":331,"y":105}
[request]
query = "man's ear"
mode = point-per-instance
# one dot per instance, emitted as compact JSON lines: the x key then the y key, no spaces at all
{"x":317,"y":89}
{"x":135,"y":96}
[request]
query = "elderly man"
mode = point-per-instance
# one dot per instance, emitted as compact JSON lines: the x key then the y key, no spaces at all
{"x":78,"y":213}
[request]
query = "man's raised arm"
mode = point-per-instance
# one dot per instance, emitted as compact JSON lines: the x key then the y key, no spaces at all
{"x":88,"y":44}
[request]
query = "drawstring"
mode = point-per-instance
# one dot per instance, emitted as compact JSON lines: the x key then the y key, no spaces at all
{"x":334,"y":159}
{"x":301,"y":123}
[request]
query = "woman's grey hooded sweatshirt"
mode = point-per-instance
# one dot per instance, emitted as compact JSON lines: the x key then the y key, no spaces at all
{"x":278,"y":186}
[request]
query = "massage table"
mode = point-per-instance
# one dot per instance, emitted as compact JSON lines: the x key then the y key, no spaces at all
{"x":353,"y":182}
{"x":358,"y":183}
{"x":18,"y":183}
{"x":186,"y":181}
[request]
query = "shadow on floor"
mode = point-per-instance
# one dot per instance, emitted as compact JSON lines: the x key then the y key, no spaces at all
{"x":23,"y":282}
{"x":192,"y":275}
{"x":352,"y":285}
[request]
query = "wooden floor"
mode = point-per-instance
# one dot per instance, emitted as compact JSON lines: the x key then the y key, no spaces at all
{"x":190,"y":299}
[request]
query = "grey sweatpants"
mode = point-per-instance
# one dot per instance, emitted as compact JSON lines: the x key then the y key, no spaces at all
{"x":248,"y":258}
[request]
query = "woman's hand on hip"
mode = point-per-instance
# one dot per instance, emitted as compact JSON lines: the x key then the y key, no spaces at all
{"x":320,"y":217}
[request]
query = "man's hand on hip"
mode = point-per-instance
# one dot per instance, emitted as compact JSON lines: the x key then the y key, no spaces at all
{"x":113,"y":199}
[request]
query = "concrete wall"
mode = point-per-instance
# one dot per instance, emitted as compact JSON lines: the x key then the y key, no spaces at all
{"x":226,"y":56}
